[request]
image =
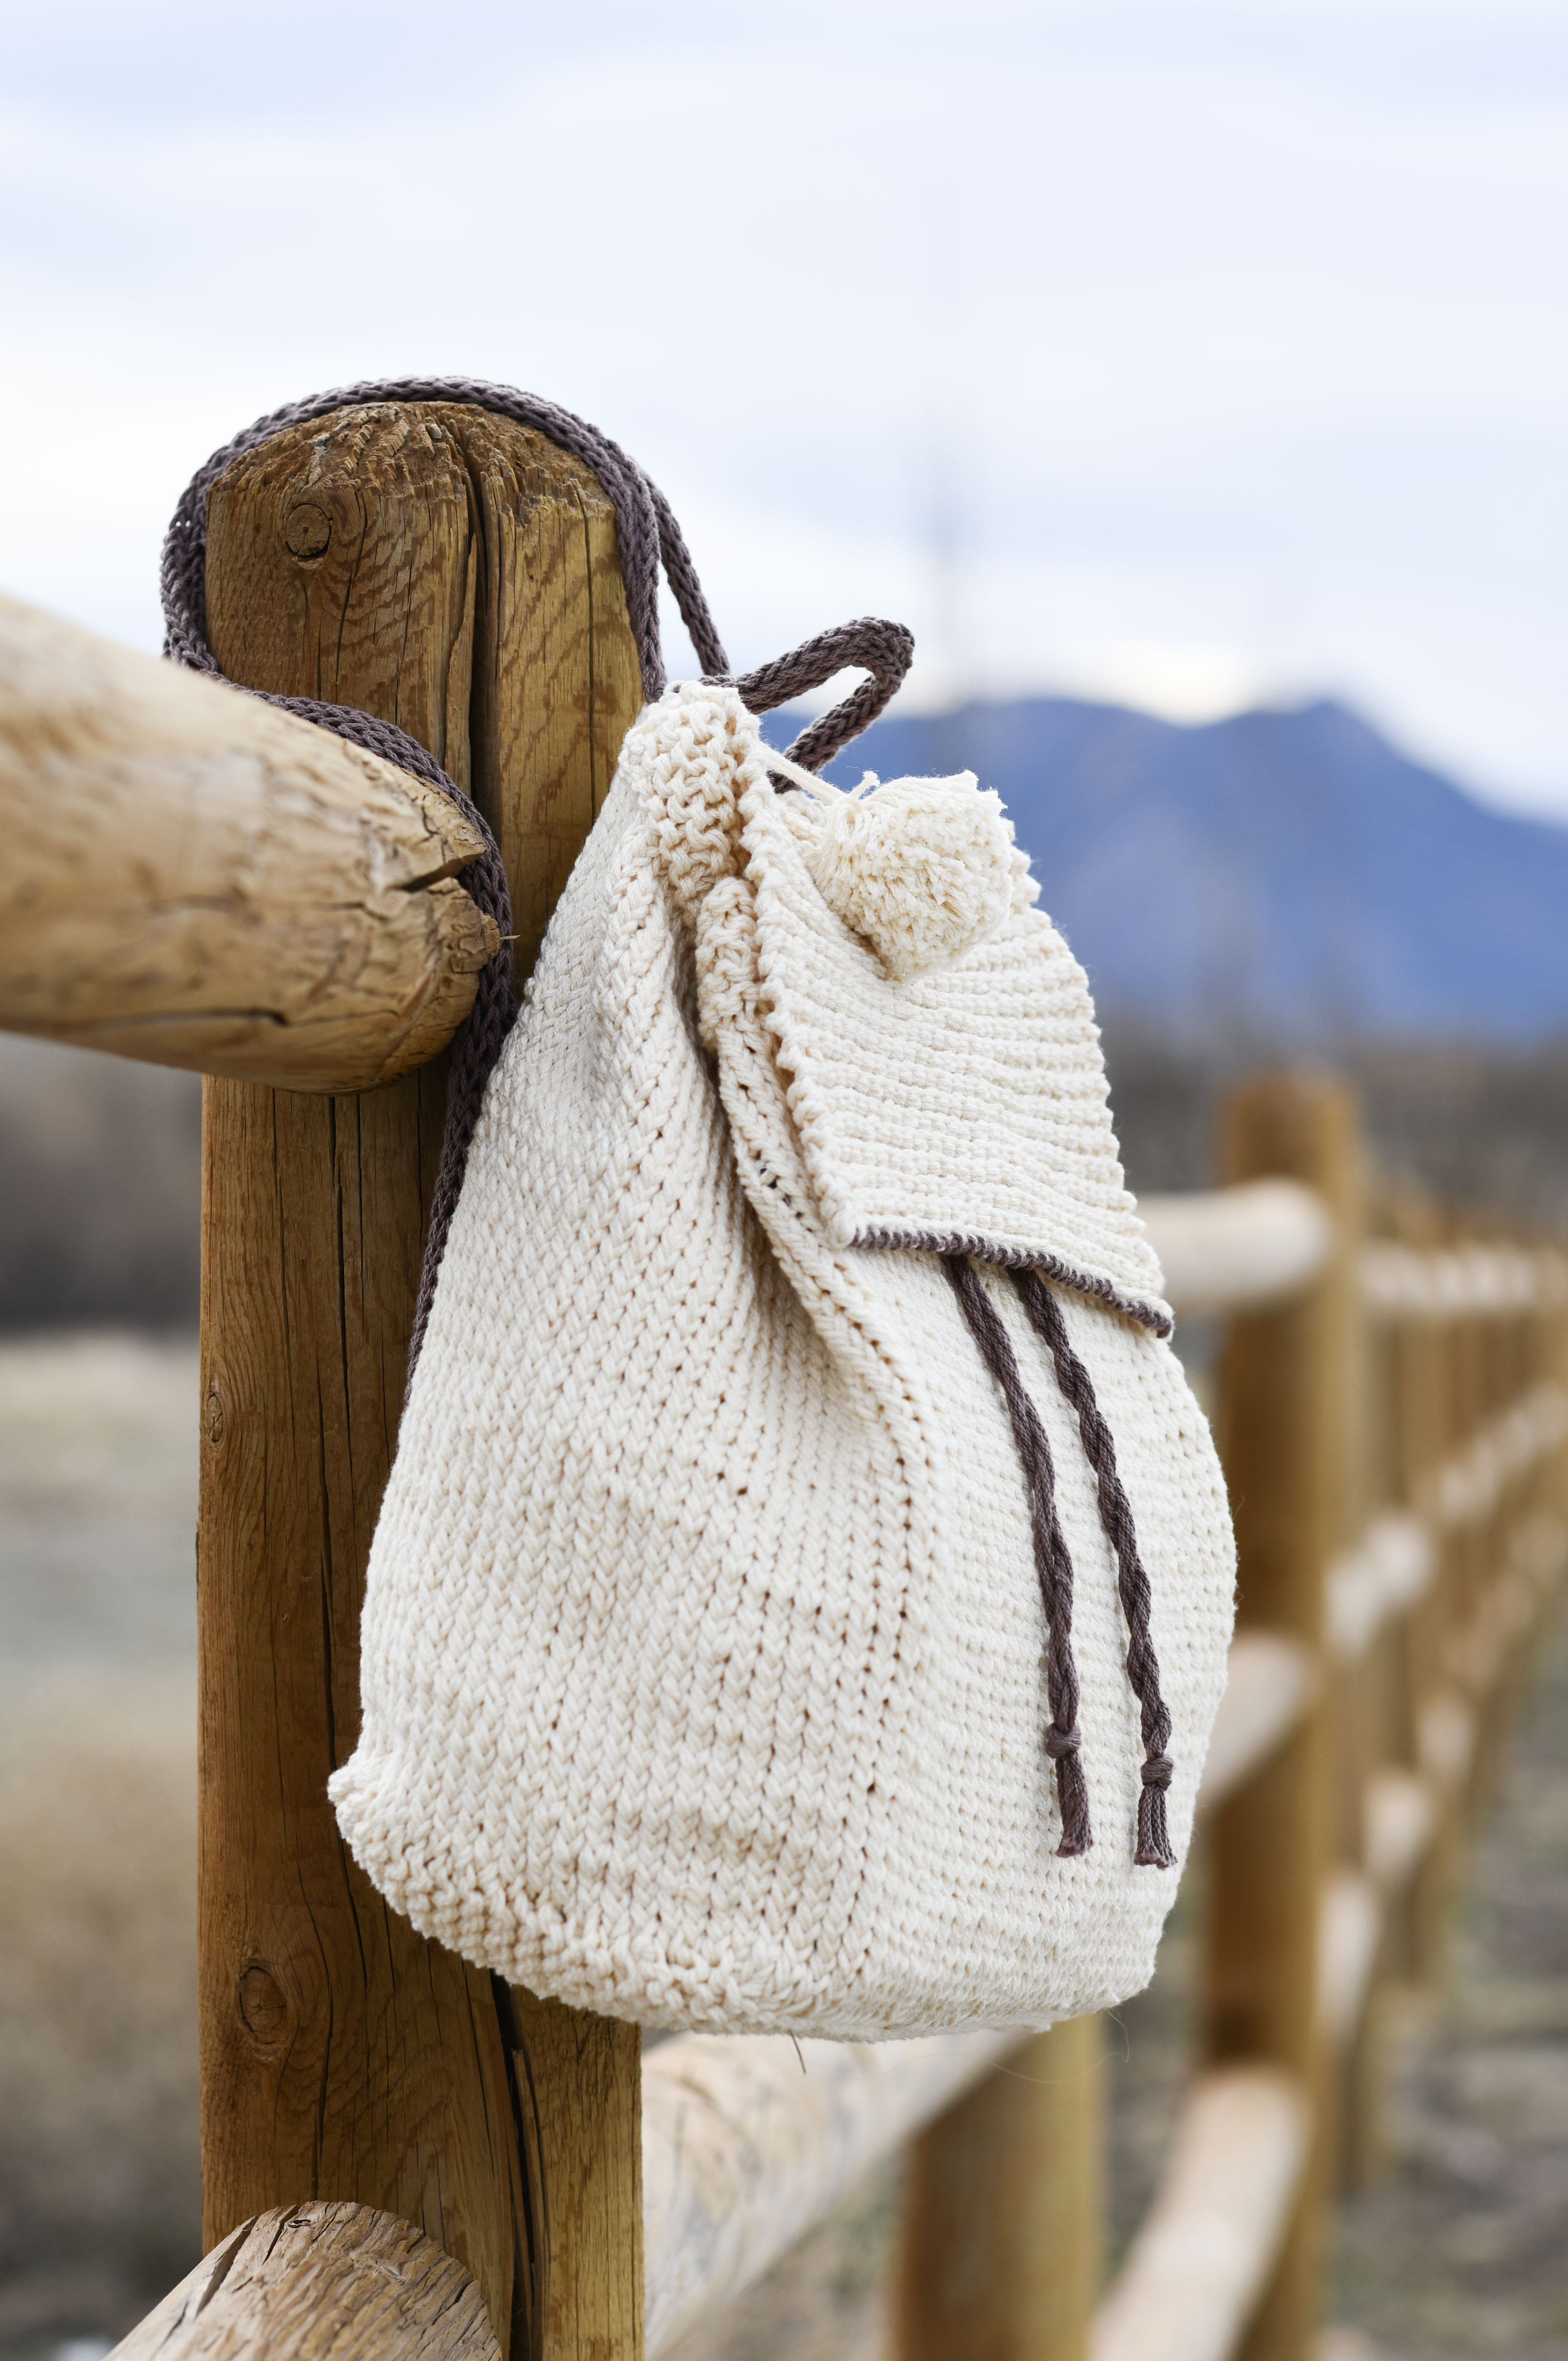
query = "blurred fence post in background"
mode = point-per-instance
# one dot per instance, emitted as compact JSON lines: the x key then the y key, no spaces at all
{"x":1003,"y":2234}
{"x":1288,"y":1419}
{"x":455,"y":574}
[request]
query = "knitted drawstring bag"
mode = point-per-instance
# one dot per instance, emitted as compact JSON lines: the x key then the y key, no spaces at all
{"x":801,"y":1596}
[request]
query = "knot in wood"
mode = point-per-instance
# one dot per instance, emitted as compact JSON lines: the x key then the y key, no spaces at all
{"x":307,"y":530}
{"x":263,"y":2006}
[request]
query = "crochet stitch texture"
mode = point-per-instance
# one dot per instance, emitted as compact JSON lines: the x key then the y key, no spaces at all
{"x":703,"y":1651}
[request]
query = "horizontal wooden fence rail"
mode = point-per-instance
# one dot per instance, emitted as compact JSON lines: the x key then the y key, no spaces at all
{"x":195,"y":879}
{"x":1461,"y":1282}
{"x":749,"y":2143}
{"x":318,"y":2282}
{"x":1239,"y":1249}
{"x":1201,"y":2261}
{"x":199,"y":880}
{"x":1273,"y":1680}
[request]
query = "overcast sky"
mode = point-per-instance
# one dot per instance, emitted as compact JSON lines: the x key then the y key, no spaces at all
{"x":1185,"y":355}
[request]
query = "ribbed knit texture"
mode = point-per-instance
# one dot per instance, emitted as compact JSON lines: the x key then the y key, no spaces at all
{"x":705,"y":1665}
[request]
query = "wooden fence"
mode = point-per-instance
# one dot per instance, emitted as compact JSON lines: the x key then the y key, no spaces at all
{"x":401,"y":2155}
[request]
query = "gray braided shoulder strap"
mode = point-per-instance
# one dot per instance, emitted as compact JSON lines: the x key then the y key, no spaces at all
{"x":647,"y":536}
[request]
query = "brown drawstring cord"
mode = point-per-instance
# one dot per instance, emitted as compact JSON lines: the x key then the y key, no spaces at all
{"x":1116,"y":1516}
{"x":1052,"y":1561}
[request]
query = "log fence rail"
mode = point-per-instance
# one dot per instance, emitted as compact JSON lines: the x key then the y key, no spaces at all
{"x":401,"y":2156}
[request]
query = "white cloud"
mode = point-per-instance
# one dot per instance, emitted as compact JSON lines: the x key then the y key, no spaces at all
{"x":1182,"y":684}
{"x":1218,"y":337}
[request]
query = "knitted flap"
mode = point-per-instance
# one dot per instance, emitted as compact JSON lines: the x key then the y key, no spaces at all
{"x":936,"y":1034}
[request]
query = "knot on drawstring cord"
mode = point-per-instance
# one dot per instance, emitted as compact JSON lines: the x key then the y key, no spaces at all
{"x":1064,"y":1748}
{"x":1154,"y":1841}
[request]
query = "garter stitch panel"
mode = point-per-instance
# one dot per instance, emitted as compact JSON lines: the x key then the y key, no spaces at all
{"x":703,"y":1651}
{"x":965,"y":1102}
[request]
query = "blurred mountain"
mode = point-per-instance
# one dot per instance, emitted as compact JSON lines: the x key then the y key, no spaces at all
{"x":1286,"y":874}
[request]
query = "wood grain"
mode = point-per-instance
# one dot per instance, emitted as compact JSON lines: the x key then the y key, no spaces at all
{"x":582,"y":2117}
{"x":344,"y":2056}
{"x":520,"y":671}
{"x":375,"y":605}
{"x":194,"y":879}
{"x":315,"y":2281}
{"x":1001,"y":2249}
{"x":557,"y":682}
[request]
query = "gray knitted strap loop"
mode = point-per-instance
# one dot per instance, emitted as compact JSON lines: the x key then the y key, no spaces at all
{"x":642,"y":514}
{"x":885,"y":650}
{"x":681,"y":574}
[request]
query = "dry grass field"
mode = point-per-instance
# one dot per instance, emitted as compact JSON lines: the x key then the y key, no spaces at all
{"x":98,"y":2156}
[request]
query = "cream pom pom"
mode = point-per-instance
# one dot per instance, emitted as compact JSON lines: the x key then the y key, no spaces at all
{"x":922,"y":868}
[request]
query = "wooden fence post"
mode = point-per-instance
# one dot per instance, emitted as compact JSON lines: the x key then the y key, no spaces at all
{"x":456,"y":573}
{"x":1003,"y":2244}
{"x":1288,"y":1418}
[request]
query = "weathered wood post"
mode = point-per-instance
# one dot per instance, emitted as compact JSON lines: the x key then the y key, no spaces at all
{"x":453,"y":572}
{"x":1287,"y":1414}
{"x":1002,"y":2246}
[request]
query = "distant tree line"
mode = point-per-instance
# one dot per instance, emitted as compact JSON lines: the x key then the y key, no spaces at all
{"x":100,"y":1181}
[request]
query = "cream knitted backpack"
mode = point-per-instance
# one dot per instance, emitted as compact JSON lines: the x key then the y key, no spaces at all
{"x":801,"y":1595}
{"x":756,"y":1542}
